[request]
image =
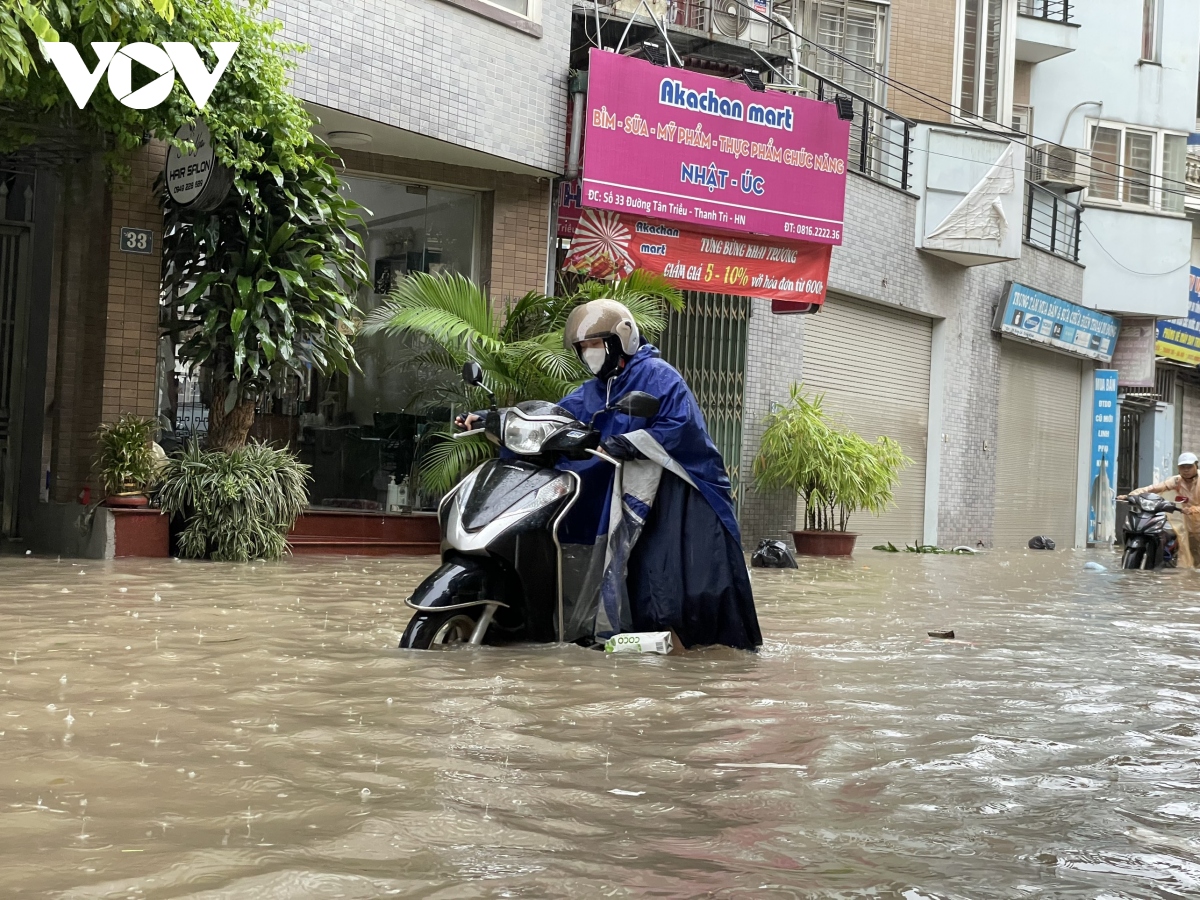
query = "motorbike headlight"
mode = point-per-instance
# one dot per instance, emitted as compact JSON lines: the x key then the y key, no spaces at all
{"x":523,"y":435}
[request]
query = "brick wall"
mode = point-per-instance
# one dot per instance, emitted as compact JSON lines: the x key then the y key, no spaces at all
{"x":105,"y":317}
{"x":1189,"y":409}
{"x":921,"y":55}
{"x":520,"y":215}
{"x":774,"y":362}
{"x":133,"y":281}
{"x":438,"y":70}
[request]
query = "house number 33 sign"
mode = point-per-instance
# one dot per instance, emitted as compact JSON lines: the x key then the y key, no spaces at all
{"x":137,"y":240}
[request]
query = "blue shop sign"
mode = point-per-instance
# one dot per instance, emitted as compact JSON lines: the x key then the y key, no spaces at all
{"x":1179,"y":339}
{"x":1037,"y":318}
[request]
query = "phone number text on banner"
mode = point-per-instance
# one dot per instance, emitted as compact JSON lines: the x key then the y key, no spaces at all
{"x":608,"y":245}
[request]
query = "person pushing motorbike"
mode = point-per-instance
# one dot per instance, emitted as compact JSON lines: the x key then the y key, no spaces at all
{"x":1184,"y":489}
{"x":685,"y":572}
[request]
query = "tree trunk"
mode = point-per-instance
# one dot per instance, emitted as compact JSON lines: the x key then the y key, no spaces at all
{"x":228,"y":431}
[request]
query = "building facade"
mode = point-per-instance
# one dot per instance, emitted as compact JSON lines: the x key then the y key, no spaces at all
{"x":451,"y":153}
{"x":966,"y":112}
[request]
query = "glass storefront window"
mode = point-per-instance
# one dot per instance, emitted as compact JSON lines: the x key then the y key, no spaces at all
{"x":364,"y":432}
{"x":360,"y":434}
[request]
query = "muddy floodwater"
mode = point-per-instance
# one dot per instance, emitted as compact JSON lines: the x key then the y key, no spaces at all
{"x":174,"y":729}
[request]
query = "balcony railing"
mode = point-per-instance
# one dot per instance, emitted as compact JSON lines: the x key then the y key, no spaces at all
{"x":1051,"y":10}
{"x":880,"y":140}
{"x":734,"y":21}
{"x":1051,"y":222}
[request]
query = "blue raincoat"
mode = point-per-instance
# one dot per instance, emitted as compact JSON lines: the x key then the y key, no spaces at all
{"x":682,"y":561}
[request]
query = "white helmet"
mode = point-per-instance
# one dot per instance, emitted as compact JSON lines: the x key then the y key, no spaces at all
{"x":602,"y":319}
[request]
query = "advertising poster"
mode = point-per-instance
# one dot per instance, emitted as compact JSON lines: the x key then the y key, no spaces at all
{"x":1179,"y":339}
{"x":707,"y":152}
{"x":569,"y":207}
{"x":1102,"y":496}
{"x":1037,"y":318}
{"x":1134,"y":356}
{"x":608,"y":244}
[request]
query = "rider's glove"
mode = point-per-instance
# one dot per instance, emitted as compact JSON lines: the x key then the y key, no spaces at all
{"x":619,"y":447}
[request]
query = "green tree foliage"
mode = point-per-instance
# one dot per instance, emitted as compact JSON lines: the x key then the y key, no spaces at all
{"x":252,"y":95}
{"x":834,"y":471}
{"x":268,"y":279}
{"x":272,"y":273}
{"x":520,"y":348}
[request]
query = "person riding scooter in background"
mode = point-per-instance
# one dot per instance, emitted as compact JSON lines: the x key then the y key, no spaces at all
{"x":1184,"y":489}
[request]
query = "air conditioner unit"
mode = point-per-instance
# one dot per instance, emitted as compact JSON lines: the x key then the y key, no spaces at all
{"x":747,"y":20}
{"x":1055,"y":166}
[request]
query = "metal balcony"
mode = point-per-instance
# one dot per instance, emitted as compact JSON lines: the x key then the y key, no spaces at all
{"x":1051,"y":222}
{"x":880,"y":140}
{"x":1051,"y":10}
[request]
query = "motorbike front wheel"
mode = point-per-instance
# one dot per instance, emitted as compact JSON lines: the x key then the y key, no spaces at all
{"x":1134,"y":558}
{"x":437,"y":629}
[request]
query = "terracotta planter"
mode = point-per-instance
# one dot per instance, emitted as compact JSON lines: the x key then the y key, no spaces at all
{"x":824,"y":543}
{"x":131,"y":500}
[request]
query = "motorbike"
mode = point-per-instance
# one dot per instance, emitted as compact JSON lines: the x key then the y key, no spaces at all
{"x":501,"y":577}
{"x":1150,"y":541}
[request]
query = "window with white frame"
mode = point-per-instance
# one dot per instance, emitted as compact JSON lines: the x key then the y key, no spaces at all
{"x":856,"y":30}
{"x":1152,"y":30}
{"x":981,"y":58}
{"x":527,"y":8}
{"x":1134,"y":166}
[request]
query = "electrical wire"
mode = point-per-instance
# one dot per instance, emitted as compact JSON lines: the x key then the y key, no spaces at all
{"x":945,"y":106}
{"x":1109,"y":254}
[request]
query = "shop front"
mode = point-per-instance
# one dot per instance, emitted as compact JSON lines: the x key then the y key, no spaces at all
{"x":885,"y":392}
{"x":1049,"y":349}
{"x":734,"y":195}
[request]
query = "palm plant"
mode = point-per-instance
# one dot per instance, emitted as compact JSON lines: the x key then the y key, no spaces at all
{"x":835,"y":471}
{"x":240,"y":504}
{"x":124,"y":461}
{"x":519,"y":347}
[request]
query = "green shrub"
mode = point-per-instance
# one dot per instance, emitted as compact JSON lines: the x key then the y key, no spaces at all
{"x":239,"y":504}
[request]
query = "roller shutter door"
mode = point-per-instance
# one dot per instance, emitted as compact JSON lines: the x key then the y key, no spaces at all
{"x":872,"y":364}
{"x":1037,"y":452}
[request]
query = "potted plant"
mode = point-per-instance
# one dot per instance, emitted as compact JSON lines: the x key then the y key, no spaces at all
{"x":125,"y":462}
{"x":835,"y":471}
{"x":239,"y":505}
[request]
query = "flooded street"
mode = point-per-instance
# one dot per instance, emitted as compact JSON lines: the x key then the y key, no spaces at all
{"x":175,"y":729}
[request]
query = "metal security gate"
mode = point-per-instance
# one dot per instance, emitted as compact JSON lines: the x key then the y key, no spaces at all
{"x":707,"y":344}
{"x":14,"y":288}
{"x":1037,"y":453}
{"x":872,"y":363}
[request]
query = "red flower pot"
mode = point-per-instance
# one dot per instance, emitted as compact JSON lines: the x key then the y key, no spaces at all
{"x":824,"y":543}
{"x":127,"y":501}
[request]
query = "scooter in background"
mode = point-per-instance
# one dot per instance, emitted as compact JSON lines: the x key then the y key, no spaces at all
{"x":1150,"y":541}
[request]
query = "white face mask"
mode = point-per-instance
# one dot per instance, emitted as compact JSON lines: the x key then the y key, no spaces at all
{"x":594,"y":358}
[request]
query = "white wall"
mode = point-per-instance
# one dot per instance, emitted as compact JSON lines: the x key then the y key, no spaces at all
{"x":1105,"y":67}
{"x":1114,"y":245}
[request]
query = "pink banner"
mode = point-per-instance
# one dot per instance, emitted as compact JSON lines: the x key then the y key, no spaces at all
{"x":677,"y":145}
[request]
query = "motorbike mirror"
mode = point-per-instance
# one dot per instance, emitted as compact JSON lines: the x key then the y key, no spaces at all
{"x":638,"y":404}
{"x":472,"y":373}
